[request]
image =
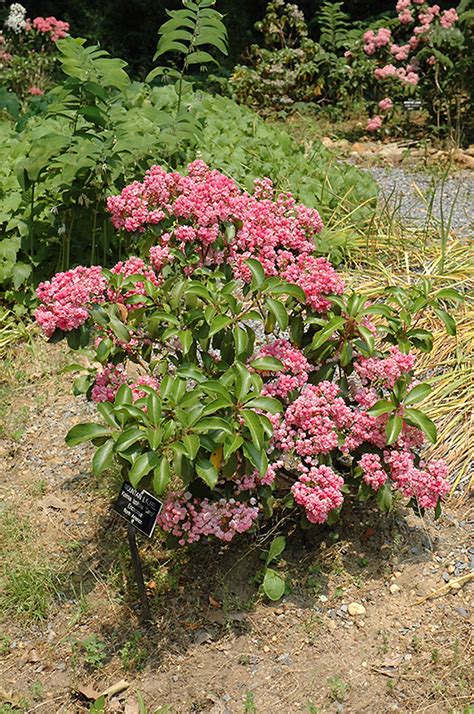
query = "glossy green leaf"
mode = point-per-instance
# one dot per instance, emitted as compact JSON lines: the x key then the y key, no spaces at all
{"x":85,"y":432}
{"x":417,"y":394}
{"x":161,"y":476}
{"x":417,"y":418}
{"x":102,"y":458}
{"x":207,"y":472}
{"x":267,"y":364}
{"x":393,"y":428}
{"x":142,"y":466}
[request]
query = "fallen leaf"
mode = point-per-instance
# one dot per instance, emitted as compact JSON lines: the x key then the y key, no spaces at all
{"x":190,"y":625}
{"x":214,"y":603}
{"x":122,"y":310}
{"x":52,"y":502}
{"x":31,"y":656}
{"x":368,"y":533}
{"x":115,"y":688}
{"x":87,"y":691}
{"x":201,"y":637}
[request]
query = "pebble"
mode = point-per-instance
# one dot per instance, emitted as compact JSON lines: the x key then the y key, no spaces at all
{"x":355,"y":609}
{"x":462,"y":611}
{"x":394,"y":589}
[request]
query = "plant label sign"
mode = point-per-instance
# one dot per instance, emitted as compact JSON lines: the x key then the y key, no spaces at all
{"x":138,"y":508}
{"x":412,"y":104}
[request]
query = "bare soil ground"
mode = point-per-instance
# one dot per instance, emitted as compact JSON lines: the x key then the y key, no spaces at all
{"x":70,"y":627}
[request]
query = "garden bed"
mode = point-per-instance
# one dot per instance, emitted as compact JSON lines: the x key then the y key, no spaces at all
{"x":214,"y":646}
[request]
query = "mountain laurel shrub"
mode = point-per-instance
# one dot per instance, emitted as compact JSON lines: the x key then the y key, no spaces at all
{"x":425,"y":53}
{"x":234,"y":374}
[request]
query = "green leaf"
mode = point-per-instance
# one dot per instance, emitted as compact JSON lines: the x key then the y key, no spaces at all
{"x":256,"y":456}
{"x":161,"y":476}
{"x":393,"y":428}
{"x":255,"y":427}
{"x":267,"y":404}
{"x":192,"y":444}
{"x":232,"y":444}
{"x":127,"y":438}
{"x":384,"y":498}
{"x":207,"y":472}
{"x":219,"y":323}
{"x":267,"y":364}
{"x":85,"y":432}
{"x":417,"y":394}
{"x":449,"y":294}
{"x":449,"y":322}
{"x":417,"y":418}
{"x":186,"y":339}
{"x":154,"y":408}
{"x":277,"y":547}
{"x":383,"y":406}
{"x":142,"y":466}
{"x":243,"y":381}
{"x":326,"y":332}
{"x":119,"y":330}
{"x":200,"y":57}
{"x":279,"y":311}
{"x":273,"y":585}
{"x":283,"y":288}
{"x":258,"y":274}
{"x":211,"y":423}
{"x":102,"y":458}
{"x":124,"y":396}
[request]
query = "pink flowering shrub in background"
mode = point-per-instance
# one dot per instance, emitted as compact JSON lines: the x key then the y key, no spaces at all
{"x":422,"y":54}
{"x":233,"y":372}
{"x":27,"y":51}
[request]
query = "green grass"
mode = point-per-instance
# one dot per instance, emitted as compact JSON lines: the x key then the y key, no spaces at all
{"x":28,"y":582}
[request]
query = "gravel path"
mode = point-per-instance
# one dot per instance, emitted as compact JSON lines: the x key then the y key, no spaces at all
{"x":398,"y":190}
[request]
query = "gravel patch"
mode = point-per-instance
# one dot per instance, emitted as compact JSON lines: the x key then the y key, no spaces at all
{"x":455,"y":195}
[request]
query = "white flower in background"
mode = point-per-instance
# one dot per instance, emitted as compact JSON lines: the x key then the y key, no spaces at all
{"x":16,"y":19}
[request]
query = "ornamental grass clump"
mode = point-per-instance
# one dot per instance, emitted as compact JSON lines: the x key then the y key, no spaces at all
{"x":233,"y":373}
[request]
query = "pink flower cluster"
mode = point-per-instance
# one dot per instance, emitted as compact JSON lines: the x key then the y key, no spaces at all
{"x":374,"y":123}
{"x":109,"y":380}
{"x":385,"y":104}
{"x":56,"y":29}
{"x":427,"y":485}
{"x":253,"y":480}
{"x":132,"y":266}
{"x":374,"y":474}
{"x":373,"y":42}
{"x":66,"y":298}
{"x":295,"y":372}
{"x":275,"y":230}
{"x":387,"y":370}
{"x":319,"y":492}
{"x":311,"y":424}
{"x":36,"y":91}
{"x":191,"y":519}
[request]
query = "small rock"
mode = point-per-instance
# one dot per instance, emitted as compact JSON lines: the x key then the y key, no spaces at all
{"x":355,"y":609}
{"x":285,"y":658}
{"x":451,"y":569}
{"x":446,"y":577}
{"x":462,"y":611}
{"x":266,"y":648}
{"x":323,"y":598}
{"x":394,"y":589}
